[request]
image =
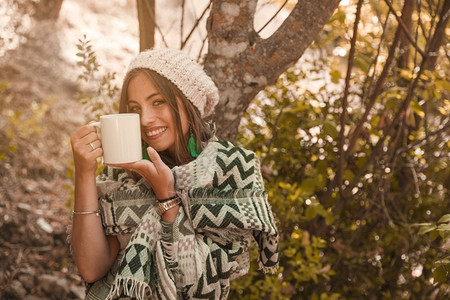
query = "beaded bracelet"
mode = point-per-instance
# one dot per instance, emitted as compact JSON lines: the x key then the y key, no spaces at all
{"x":96,"y":212}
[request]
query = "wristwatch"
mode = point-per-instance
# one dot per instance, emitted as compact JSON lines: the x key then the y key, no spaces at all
{"x":166,"y":205}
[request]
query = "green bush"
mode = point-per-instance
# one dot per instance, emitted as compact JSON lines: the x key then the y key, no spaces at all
{"x":349,"y":228}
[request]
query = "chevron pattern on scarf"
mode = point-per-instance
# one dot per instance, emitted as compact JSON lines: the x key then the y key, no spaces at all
{"x":236,"y":168}
{"x":225,"y":208}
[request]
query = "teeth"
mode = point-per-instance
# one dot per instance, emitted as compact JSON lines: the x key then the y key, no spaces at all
{"x":155,"y":132}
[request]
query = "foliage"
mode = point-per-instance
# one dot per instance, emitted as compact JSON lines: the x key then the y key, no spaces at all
{"x":98,"y":95}
{"x":349,"y":226}
{"x":441,"y":268}
{"x":18,"y":126}
{"x":100,"y":89}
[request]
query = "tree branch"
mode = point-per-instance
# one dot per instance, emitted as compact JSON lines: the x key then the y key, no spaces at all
{"x":405,"y":103}
{"x":274,"y":134}
{"x":197,"y":22}
{"x":306,"y":17}
{"x":247,"y":63}
{"x":273,"y":17}
{"x":404,"y":28}
{"x":351,"y":57}
{"x":374,"y":95}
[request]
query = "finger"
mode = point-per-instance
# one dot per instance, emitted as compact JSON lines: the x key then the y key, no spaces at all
{"x":83,"y":131}
{"x":139,"y":167}
{"x":91,"y":137}
{"x":89,"y":141}
{"x":97,"y":153}
{"x":155,"y":158}
{"x":128,"y":166}
{"x":94,"y":145}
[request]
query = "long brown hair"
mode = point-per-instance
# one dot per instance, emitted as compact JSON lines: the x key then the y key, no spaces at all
{"x":197,"y":126}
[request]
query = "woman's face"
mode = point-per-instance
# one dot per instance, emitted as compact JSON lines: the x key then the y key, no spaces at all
{"x":158,"y":127}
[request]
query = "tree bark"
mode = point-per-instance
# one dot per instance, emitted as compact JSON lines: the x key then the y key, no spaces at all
{"x":242,"y":63}
{"x":146,"y":17}
{"x":407,"y":12}
{"x":440,"y":36}
{"x":47,"y":10}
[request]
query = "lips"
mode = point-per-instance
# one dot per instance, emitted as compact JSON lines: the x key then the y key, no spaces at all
{"x":155,"y":132}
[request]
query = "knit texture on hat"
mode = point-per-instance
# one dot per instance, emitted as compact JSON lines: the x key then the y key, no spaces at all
{"x":182,"y":71}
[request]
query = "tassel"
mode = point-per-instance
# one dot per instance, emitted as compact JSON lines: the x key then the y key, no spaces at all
{"x":192,"y":146}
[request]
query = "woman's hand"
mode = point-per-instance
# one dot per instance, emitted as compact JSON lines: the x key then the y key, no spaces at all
{"x":86,"y":148}
{"x":155,"y":172}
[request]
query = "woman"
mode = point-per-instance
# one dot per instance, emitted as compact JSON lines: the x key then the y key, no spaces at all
{"x":179,"y":223}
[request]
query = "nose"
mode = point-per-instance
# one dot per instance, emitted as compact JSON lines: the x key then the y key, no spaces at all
{"x":148,"y":117}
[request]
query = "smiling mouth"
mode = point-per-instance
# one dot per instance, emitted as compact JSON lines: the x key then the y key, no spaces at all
{"x":156,"y":132}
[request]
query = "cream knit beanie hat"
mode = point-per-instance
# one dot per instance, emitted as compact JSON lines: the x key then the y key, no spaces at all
{"x":182,"y":71}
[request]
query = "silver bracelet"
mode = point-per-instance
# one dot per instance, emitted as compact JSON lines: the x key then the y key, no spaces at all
{"x":96,"y":212}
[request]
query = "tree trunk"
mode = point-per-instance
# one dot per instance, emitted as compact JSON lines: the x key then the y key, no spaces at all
{"x":440,"y":36}
{"x":146,"y":16}
{"x":242,"y":63}
{"x":405,"y":44}
{"x":47,"y":10}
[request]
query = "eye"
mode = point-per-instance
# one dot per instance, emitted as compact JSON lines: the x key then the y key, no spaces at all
{"x":159,"y":102}
{"x":134,"y":109}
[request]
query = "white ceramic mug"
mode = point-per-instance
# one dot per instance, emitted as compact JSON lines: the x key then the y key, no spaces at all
{"x":121,"y":138}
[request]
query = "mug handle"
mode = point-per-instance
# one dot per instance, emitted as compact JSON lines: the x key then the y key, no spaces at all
{"x":96,"y":124}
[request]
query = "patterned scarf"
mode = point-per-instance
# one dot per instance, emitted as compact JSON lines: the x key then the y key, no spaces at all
{"x":225,"y":208}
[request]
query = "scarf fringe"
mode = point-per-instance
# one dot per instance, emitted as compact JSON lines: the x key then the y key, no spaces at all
{"x":170,"y":252}
{"x":134,"y":193}
{"x":214,"y":194}
{"x":69,"y":237}
{"x":130,"y":287}
{"x":272,"y":269}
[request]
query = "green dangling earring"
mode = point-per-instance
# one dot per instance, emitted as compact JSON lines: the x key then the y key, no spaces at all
{"x":193,"y":147}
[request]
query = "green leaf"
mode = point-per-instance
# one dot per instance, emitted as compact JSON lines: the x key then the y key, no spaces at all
{"x":311,"y":212}
{"x":440,"y":274}
{"x":308,"y":186}
{"x":335,"y":76}
{"x":443,"y":227}
{"x":417,"y":109}
{"x":426,"y":229}
{"x":444,"y":219}
{"x":434,"y":235}
{"x":405,"y":74}
{"x":330,"y":129}
{"x":348,"y":175}
{"x":363,"y":62}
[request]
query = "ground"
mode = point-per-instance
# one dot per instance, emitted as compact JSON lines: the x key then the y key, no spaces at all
{"x":39,"y":110}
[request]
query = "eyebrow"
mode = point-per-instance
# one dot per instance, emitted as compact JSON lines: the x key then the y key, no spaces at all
{"x":146,"y":98}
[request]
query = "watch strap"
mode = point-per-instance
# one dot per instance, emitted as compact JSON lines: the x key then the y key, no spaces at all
{"x":166,"y":205}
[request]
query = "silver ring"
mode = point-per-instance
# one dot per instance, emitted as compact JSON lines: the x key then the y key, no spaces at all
{"x":92,"y":146}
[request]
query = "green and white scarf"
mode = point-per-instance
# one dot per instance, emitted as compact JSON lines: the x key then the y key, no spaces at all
{"x":224,"y":209}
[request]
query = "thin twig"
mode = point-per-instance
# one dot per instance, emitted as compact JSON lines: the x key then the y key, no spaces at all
{"x":273,"y":17}
{"x":375,"y":93}
{"x":197,"y":22}
{"x":405,"y":29}
{"x":405,"y":103}
{"x":375,"y":60}
{"x":274,"y":134}
{"x":444,"y":128}
{"x":387,"y":130}
{"x":183,"y":2}
{"x":156,"y":25}
{"x":351,"y":58}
